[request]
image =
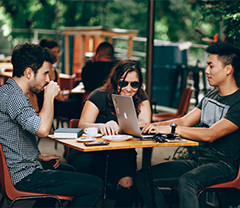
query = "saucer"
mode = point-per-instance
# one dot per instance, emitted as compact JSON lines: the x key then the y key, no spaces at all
{"x":98,"y":135}
{"x":117,"y":138}
{"x":85,"y":139}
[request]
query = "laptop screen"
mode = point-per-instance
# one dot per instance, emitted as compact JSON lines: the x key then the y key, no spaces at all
{"x":126,"y":115}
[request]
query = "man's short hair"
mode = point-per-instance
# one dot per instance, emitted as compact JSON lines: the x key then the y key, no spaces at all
{"x":105,"y":49}
{"x":27,"y":55}
{"x":227,"y":54}
{"x":48,"y":43}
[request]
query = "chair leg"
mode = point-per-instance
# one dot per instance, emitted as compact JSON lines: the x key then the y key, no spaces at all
{"x":66,"y":152}
{"x":57,"y":123}
{"x":57,"y":126}
{"x":2,"y":200}
{"x":52,"y":128}
{"x":60,"y":204}
{"x":55,"y":146}
{"x":220,"y":205}
{"x":172,"y":195}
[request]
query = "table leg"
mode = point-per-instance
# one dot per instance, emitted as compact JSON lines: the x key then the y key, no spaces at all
{"x":105,"y":182}
{"x":148,"y":153}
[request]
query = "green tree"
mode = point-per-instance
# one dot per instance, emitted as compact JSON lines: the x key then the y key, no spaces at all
{"x":224,"y":14}
{"x":29,"y":13}
{"x":174,"y":19}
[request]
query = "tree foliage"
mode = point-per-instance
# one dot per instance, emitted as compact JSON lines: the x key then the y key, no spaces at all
{"x":29,"y":13}
{"x":174,"y":20}
{"x":223,"y":13}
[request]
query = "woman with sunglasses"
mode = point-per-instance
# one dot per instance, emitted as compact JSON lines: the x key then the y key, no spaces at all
{"x":98,"y":111}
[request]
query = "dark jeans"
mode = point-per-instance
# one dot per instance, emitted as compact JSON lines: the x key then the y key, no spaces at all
{"x":86,"y":189}
{"x":122,"y":163}
{"x":188,"y":175}
{"x":62,"y":166}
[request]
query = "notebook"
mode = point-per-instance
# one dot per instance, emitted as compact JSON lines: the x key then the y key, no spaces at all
{"x":68,"y":133}
{"x":126,"y":115}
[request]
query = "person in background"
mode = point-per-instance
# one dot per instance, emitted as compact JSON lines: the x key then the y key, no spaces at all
{"x":98,"y":111}
{"x":19,"y":124}
{"x":95,"y":73}
{"x":51,"y":58}
{"x":70,"y":107}
{"x":218,"y":120}
{"x":52,"y":45}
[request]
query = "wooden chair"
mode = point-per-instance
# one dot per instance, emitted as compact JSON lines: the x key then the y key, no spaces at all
{"x":231,"y":185}
{"x":182,"y":109}
{"x":10,"y":192}
{"x":73,"y":123}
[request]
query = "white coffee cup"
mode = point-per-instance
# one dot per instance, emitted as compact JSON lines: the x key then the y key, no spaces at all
{"x":91,"y":131}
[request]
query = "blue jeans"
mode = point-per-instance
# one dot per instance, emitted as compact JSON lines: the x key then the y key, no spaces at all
{"x":188,"y":175}
{"x":86,"y":189}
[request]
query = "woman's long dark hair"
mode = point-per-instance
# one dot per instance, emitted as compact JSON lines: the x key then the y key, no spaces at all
{"x":112,"y":83}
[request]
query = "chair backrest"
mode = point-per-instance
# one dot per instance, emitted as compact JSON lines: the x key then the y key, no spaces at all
{"x":73,"y":123}
{"x":2,"y":170}
{"x":234,"y":184}
{"x":7,"y":187}
{"x":185,"y":101}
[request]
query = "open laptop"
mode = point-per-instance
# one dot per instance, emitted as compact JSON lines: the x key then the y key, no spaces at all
{"x":126,"y":115}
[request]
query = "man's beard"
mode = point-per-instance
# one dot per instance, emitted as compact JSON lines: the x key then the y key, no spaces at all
{"x":35,"y":90}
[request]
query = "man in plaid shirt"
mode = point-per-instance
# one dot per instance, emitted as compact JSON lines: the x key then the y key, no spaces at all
{"x":19,"y":124}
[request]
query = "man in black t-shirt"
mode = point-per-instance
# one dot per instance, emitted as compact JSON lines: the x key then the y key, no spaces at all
{"x":95,"y":73}
{"x":218,"y":134}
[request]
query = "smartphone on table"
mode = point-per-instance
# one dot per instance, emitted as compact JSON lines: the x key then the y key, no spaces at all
{"x":95,"y":143}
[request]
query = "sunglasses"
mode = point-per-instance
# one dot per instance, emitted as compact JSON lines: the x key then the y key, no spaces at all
{"x":123,"y":83}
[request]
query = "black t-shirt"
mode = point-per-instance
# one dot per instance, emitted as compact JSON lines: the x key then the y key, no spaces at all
{"x":99,"y":98}
{"x":94,"y":74}
{"x":213,"y":108}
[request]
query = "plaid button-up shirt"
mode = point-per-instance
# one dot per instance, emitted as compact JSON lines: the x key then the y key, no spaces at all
{"x":19,"y":123}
